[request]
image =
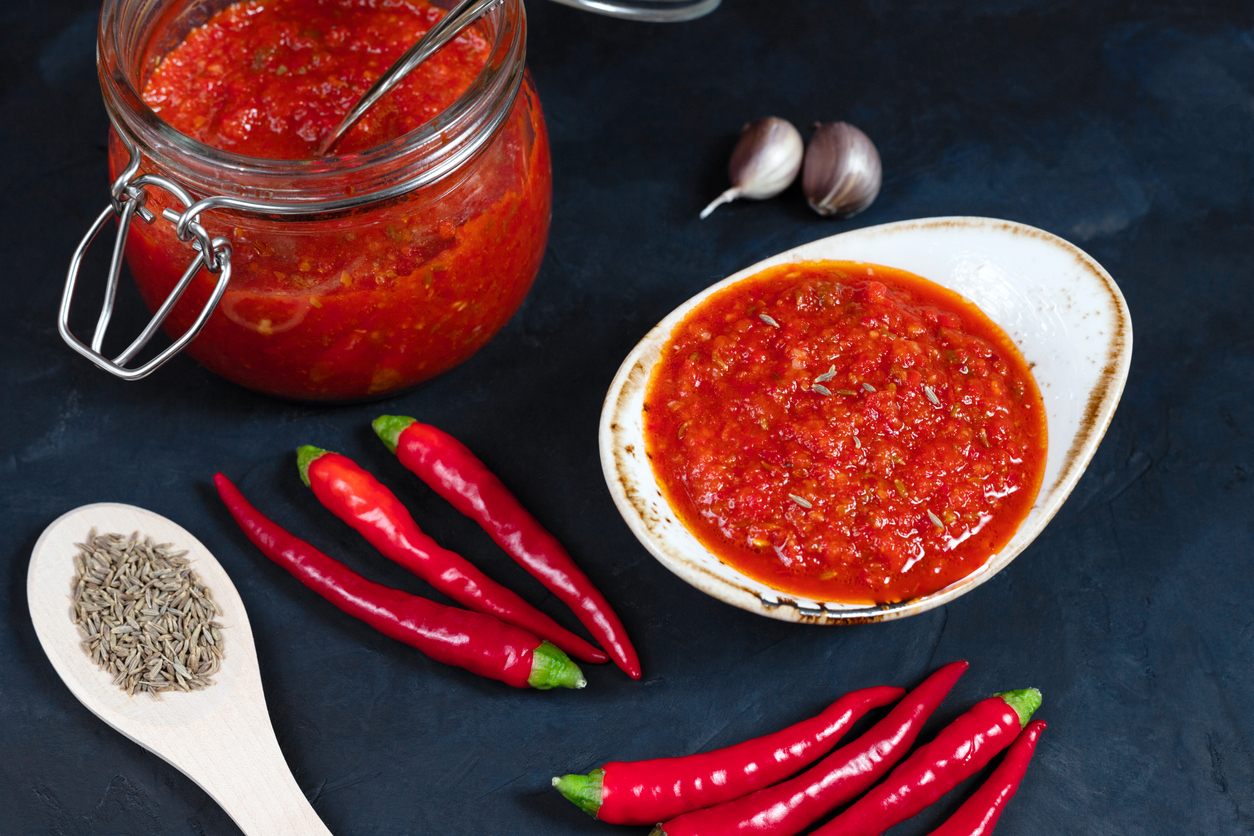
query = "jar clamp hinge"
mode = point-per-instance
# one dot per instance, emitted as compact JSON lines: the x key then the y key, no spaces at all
{"x":129,"y":196}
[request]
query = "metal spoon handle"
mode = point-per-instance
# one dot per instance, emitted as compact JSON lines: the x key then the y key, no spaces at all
{"x":449,"y":27}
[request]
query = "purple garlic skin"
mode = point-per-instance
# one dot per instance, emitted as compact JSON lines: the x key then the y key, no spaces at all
{"x":764,"y":163}
{"x":842,"y":173}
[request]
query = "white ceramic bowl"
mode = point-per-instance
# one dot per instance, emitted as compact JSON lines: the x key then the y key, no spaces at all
{"x":1060,"y":307}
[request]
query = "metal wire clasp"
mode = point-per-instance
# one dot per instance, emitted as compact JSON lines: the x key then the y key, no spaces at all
{"x":129,"y":196}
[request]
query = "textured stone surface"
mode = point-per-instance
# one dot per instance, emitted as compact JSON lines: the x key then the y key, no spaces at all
{"x":1127,"y":128}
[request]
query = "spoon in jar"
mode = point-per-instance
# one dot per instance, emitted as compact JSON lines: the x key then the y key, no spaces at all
{"x":449,"y":27}
{"x":220,"y":736}
{"x":467,"y":12}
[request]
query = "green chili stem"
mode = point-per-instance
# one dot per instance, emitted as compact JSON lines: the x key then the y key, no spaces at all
{"x":584,"y":791}
{"x":1024,"y":702}
{"x":551,"y":668}
{"x":304,"y":457}
{"x":389,"y":429}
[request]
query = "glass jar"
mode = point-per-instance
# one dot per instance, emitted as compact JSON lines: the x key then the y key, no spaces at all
{"x":349,"y":277}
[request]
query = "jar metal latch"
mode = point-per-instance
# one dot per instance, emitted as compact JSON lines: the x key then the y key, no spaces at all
{"x":129,"y":196}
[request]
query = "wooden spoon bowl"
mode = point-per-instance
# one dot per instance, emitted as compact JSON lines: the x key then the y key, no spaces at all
{"x":220,"y":736}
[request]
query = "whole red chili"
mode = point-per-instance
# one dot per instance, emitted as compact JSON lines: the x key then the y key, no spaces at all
{"x":358,"y":499}
{"x":792,"y":806}
{"x":644,"y":792}
{"x":979,"y":814}
{"x":958,"y":752}
{"x":479,"y":643}
{"x":456,"y":474}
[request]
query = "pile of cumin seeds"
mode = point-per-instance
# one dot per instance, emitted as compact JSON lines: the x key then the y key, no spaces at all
{"x":144,"y":614}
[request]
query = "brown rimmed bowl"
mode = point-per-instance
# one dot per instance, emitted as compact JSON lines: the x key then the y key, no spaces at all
{"x":1060,"y":307}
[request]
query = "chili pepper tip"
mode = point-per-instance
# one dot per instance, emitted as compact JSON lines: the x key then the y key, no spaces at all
{"x":584,"y":791}
{"x":305,"y":457}
{"x":389,"y":429}
{"x":1024,"y":702}
{"x":551,"y":668}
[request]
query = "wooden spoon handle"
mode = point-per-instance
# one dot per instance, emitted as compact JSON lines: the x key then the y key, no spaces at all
{"x":242,"y":768}
{"x":267,"y":802}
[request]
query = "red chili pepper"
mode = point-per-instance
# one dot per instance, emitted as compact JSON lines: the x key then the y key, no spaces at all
{"x":979,"y":815}
{"x":958,"y":752}
{"x":358,"y":499}
{"x":456,"y":474}
{"x":478,"y":643}
{"x":642,"y":792}
{"x":795,"y":804}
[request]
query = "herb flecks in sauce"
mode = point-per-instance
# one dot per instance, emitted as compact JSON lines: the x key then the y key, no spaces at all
{"x":925,"y":404}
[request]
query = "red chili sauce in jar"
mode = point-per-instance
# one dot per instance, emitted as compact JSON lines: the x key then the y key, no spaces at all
{"x":271,"y":79}
{"x":845,"y":432}
{"x":366,"y":303}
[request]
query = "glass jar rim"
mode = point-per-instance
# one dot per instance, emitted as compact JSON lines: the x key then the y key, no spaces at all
{"x":417,"y":159}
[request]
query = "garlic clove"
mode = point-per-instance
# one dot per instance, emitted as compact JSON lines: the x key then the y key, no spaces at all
{"x":764,"y":163}
{"x":842,"y":170}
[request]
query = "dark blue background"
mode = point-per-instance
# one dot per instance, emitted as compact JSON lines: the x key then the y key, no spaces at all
{"x":1125,"y":127}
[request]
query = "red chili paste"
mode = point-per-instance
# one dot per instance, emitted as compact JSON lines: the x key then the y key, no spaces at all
{"x":846,"y":432}
{"x":271,"y":79}
{"x":369,"y":303}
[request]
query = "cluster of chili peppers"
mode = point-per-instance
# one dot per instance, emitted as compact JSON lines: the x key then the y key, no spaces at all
{"x":741,"y":790}
{"x":498,"y":635}
{"x":738,"y":790}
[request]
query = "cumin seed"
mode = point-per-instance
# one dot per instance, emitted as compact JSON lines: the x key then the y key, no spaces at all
{"x":769,"y":320}
{"x":936,"y":521}
{"x":802,"y":501}
{"x":931,"y":394}
{"x":133,"y":607}
{"x":821,"y":389}
{"x":868,"y":387}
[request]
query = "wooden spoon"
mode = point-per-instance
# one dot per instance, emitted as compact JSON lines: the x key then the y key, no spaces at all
{"x":220,"y":737}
